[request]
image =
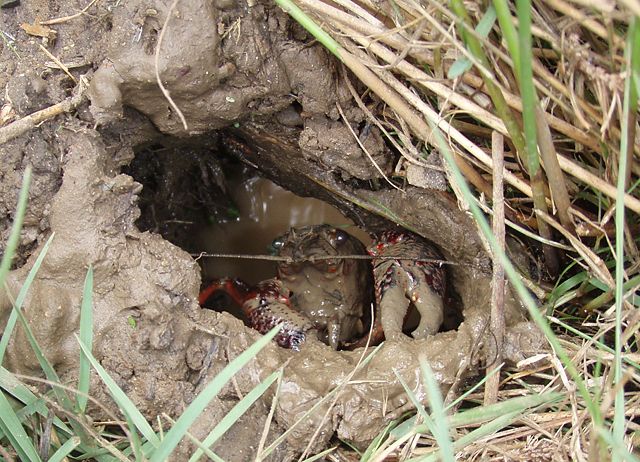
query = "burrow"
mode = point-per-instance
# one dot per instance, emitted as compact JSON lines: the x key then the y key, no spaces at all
{"x":270,"y":102}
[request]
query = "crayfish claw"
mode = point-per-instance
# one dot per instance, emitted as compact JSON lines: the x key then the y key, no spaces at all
{"x":413,"y":278}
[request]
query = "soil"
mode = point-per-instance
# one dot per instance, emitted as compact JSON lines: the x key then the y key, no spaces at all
{"x":251,"y":84}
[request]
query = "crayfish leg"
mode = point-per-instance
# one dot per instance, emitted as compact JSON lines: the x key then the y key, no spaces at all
{"x":392,"y":306}
{"x":431,"y":309}
{"x":402,"y":287}
{"x":269,"y":305}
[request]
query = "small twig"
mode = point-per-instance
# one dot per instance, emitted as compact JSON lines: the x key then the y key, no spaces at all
{"x":59,"y":63}
{"x":22,"y":126}
{"x":497,"y":284}
{"x":68,"y":18}
{"x":316,"y":258}
{"x":156,"y":60}
{"x":272,"y":411}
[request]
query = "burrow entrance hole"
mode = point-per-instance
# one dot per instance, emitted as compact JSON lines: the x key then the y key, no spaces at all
{"x":199,"y":195}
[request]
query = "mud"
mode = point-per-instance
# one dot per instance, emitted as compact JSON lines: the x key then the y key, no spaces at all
{"x":257,"y":70}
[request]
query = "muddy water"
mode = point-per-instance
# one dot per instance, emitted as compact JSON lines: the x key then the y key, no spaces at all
{"x":266,"y":211}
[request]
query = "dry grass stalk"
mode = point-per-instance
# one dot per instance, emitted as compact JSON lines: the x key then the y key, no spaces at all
{"x":29,"y":122}
{"x":497,"y":325}
{"x":372,"y":35}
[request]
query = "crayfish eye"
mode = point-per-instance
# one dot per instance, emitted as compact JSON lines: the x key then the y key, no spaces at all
{"x":341,"y":237}
{"x":276,"y":246}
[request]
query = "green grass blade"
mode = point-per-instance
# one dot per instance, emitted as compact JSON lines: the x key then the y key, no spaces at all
{"x":617,"y":448}
{"x":86,"y":337}
{"x":13,"y":317}
{"x":134,"y":440}
{"x":127,"y":407}
{"x":377,"y":441}
{"x":508,"y":30}
{"x":561,"y":290}
{"x":463,"y":64}
{"x":480,"y":432}
{"x":192,"y":412}
{"x":428,"y":422}
{"x":527,"y":90}
{"x":493,"y":411}
{"x":404,"y":426}
{"x":31,"y":403}
{"x":492,"y":417}
{"x":530,"y":107}
{"x":105,"y":454}
{"x":320,"y":455}
{"x":52,"y":376}
{"x":630,"y":107}
{"x":471,"y":390}
{"x":235,"y":413}
{"x":16,"y":435}
{"x":487,"y":429}
{"x":64,"y":450}
{"x":608,"y":294}
{"x":481,"y":414}
{"x":440,"y":430}
{"x":296,"y":13}
{"x":14,"y":237}
{"x":14,"y":387}
{"x":205,"y":450}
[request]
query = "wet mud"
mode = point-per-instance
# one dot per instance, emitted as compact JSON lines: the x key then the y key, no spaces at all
{"x":270,"y":99}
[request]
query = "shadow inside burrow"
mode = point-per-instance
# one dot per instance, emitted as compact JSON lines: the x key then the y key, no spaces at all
{"x":207,"y":195}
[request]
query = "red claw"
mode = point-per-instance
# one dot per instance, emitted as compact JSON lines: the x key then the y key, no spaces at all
{"x":415,"y":279}
{"x":235,"y":288}
{"x":265,"y":306}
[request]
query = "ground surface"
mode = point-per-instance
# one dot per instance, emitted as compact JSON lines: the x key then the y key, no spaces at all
{"x":249,"y":83}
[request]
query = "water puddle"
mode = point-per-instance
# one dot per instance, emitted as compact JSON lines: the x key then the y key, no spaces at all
{"x":265,"y":211}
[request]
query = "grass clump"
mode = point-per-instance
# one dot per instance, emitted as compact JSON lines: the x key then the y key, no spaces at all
{"x":559,"y":80}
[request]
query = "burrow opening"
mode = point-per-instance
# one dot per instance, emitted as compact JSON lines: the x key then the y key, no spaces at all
{"x":201,"y":196}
